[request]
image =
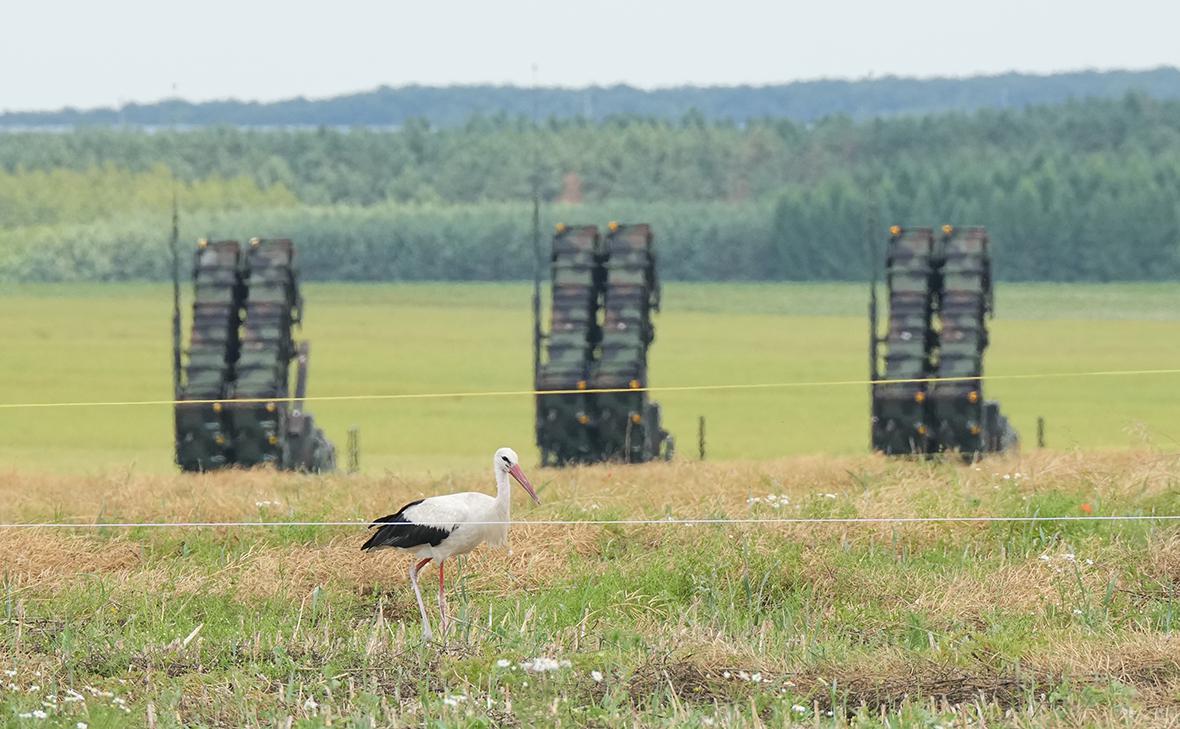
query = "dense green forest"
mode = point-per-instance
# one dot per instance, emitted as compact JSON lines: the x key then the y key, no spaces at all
{"x":800,"y":101}
{"x":1078,"y":191}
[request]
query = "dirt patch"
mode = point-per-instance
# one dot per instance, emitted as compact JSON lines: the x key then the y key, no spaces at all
{"x":1150,"y":667}
{"x":685,"y":679}
{"x":848,"y":689}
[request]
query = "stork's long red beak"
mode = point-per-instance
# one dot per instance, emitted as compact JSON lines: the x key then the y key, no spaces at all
{"x":523,"y":480}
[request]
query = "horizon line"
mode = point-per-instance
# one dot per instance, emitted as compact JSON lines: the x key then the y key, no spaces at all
{"x":868,"y":78}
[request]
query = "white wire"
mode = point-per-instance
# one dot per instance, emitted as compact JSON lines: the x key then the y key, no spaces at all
{"x":608,"y":522}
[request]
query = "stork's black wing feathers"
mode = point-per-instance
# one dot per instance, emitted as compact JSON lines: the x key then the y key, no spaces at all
{"x":398,"y":517}
{"x":398,"y":531}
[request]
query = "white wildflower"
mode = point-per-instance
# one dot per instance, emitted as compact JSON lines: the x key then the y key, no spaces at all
{"x":743,"y":675}
{"x":9,"y":672}
{"x":596,"y":676}
{"x":1044,"y":558}
{"x":1069,"y":557}
{"x":310,"y":704}
{"x":503,"y":663}
{"x":799,"y":709}
{"x":708,"y":721}
{"x":34,"y":688}
{"x":82,"y":725}
{"x":544,"y":665}
{"x":1089,"y":562}
{"x":37,"y":713}
{"x":756,"y":678}
{"x":1077,"y":611}
{"x":725,"y":674}
{"x":829,"y":496}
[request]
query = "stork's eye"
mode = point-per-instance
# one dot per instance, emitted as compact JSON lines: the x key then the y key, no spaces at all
{"x":506,"y":459}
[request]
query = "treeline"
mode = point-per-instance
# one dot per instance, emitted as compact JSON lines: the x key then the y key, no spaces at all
{"x":50,"y":197}
{"x":625,"y":158}
{"x":480,"y":242}
{"x":1083,"y":191}
{"x":801,"y":101}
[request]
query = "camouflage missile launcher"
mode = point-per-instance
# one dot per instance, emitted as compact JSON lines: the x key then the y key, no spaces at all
{"x":963,"y":300}
{"x":940,"y":293}
{"x":626,"y":423}
{"x":267,"y":350}
{"x":618,"y":277}
{"x":269,"y":427}
{"x":963,"y":421}
{"x":899,"y":415}
{"x":203,"y":438}
{"x":563,"y":421}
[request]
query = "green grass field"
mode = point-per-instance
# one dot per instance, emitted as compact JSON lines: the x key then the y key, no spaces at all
{"x":1051,"y":624}
{"x":110,"y":342}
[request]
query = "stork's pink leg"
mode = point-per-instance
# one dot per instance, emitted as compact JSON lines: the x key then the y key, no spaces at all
{"x":442,"y":599}
{"x":418,"y":594}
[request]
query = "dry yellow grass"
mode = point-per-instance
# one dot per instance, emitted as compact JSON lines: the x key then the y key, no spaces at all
{"x":683,"y":488}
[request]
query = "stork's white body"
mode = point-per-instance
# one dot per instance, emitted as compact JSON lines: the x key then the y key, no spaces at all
{"x":466,"y":516}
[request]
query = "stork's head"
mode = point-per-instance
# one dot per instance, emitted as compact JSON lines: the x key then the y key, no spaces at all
{"x":507,"y":461}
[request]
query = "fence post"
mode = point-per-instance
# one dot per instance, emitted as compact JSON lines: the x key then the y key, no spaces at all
{"x":1040,"y":432}
{"x":701,"y":436}
{"x":354,"y":449}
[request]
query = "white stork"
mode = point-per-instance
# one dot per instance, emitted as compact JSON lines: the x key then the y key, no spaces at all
{"x":443,"y":526}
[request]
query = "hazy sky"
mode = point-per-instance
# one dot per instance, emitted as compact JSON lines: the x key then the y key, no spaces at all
{"x":88,"y":53}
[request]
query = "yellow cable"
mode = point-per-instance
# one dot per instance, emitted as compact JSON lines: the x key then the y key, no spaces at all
{"x":521,"y":393}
